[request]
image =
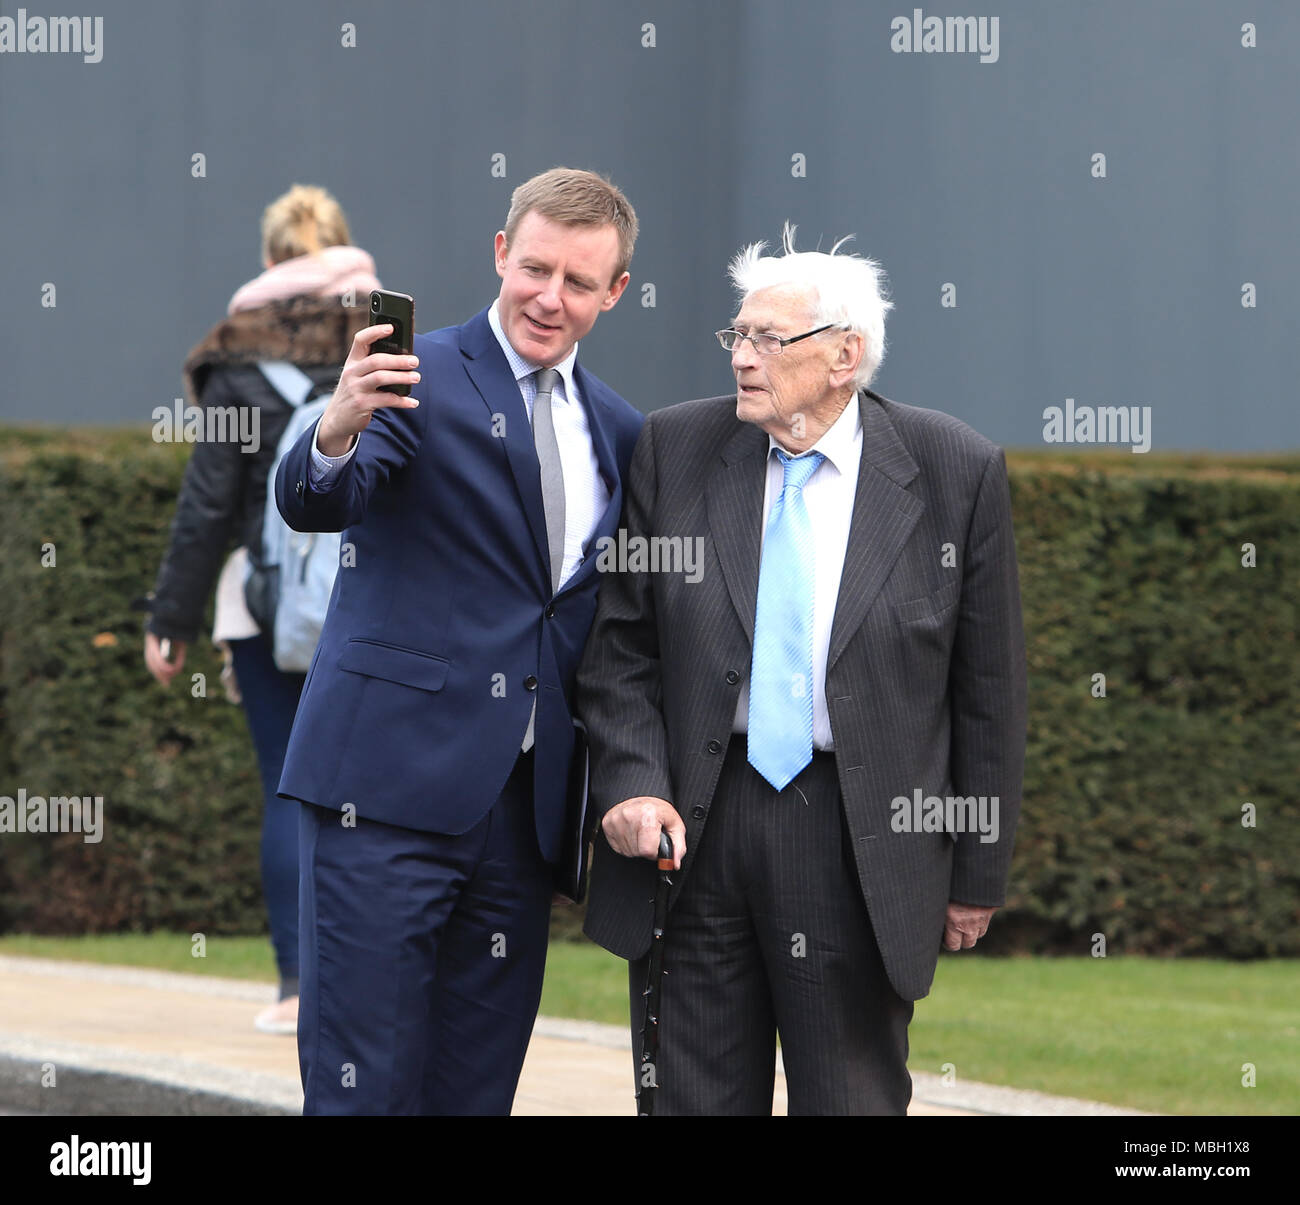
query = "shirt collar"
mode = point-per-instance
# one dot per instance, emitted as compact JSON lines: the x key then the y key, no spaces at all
{"x":522,"y":368}
{"x":838,"y":442}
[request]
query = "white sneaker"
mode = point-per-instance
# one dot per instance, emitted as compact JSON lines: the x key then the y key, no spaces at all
{"x":279,"y":1018}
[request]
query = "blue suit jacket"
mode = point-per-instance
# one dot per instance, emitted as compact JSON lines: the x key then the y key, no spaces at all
{"x":444,"y":631}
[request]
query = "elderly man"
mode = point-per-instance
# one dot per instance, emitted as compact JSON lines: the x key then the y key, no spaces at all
{"x":852,"y":645}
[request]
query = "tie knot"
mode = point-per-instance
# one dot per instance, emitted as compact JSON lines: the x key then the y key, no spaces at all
{"x":799,"y":468}
{"x":547,"y":379}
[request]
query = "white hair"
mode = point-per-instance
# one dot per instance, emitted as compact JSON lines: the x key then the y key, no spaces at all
{"x":847,"y":291}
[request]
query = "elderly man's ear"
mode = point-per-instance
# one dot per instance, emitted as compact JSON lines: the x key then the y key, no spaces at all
{"x":847,"y":359}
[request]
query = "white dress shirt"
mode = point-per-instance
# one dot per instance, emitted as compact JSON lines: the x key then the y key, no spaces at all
{"x":829,"y":496}
{"x":585,"y":492}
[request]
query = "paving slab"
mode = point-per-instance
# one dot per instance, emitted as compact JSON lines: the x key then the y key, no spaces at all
{"x":82,"y":1038}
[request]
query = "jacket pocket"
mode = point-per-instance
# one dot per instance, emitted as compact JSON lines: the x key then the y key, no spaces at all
{"x":407,"y":667}
{"x":929,"y":606}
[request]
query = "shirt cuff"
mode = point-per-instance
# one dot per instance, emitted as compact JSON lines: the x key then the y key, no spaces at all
{"x":323,"y":471}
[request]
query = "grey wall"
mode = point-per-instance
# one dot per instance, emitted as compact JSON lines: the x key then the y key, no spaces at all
{"x":1121,"y":291}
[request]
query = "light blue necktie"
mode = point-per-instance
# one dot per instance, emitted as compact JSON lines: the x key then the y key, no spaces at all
{"x":780,"y":681}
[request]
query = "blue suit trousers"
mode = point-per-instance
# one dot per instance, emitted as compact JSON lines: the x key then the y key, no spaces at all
{"x":422,"y":958}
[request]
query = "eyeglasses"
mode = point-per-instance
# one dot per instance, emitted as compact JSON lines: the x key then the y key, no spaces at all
{"x":766,"y":344}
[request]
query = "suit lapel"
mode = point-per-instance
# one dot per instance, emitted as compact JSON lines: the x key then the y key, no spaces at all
{"x":884,"y":515}
{"x":734,"y":498}
{"x":596,"y":404}
{"x":490,"y":372}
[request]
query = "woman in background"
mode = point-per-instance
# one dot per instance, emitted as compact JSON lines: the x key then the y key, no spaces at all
{"x":304,"y":308}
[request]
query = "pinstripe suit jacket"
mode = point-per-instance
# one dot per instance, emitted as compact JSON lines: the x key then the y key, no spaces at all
{"x":925,"y":682}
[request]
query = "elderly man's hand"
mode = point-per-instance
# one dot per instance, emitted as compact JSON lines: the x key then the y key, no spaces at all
{"x":632,"y":828}
{"x":965,"y":924}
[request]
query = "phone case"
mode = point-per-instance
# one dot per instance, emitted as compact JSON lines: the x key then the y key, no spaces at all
{"x":399,"y":309}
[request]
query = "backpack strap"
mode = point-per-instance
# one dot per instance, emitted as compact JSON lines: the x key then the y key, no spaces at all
{"x":289,"y":381}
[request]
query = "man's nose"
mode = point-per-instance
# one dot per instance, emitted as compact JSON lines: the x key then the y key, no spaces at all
{"x":549,"y":297}
{"x":743,"y":355}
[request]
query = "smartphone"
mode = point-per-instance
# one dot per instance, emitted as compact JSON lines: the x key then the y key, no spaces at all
{"x":399,"y":309}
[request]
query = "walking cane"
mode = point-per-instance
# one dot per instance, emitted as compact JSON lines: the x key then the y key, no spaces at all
{"x":648,"y":1074}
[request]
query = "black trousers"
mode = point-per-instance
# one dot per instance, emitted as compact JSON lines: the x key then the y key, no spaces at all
{"x":770,"y":936}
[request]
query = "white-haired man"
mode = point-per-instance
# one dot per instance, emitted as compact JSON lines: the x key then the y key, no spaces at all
{"x":851,"y":642}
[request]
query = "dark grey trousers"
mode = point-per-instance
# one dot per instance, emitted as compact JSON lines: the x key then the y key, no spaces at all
{"x":770,"y":935}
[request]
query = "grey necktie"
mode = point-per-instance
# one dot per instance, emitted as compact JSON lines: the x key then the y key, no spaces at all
{"x":548,"y":458}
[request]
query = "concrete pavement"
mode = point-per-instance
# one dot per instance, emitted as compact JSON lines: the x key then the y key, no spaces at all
{"x":81,"y":1039}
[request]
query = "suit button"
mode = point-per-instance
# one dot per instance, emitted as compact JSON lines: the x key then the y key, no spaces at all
{"x":697,"y":812}
{"x":550,"y":611}
{"x":732,"y":677}
{"x":715,"y":747}
{"x":530,"y":683}
{"x":297,"y":489}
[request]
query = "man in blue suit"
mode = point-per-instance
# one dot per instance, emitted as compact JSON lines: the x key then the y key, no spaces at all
{"x":432,"y":745}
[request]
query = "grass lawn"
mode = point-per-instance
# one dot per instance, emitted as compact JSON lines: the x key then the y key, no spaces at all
{"x":1164,"y":1035}
{"x":1169,"y":1036}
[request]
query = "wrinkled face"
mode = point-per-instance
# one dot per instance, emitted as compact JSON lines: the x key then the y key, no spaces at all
{"x":781,"y":393}
{"x":556,"y":279}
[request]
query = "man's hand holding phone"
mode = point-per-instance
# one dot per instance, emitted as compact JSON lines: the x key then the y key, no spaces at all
{"x":361,"y":385}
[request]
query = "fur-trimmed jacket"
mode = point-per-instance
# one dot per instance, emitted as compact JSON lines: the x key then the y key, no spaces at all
{"x":223,"y":492}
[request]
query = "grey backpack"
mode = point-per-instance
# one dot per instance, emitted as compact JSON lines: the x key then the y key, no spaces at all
{"x":299,"y":567}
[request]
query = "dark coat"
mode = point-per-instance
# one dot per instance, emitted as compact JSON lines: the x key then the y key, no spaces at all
{"x":223,"y":492}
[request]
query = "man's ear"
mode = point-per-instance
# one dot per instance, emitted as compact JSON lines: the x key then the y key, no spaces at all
{"x":615,"y":291}
{"x":500,"y":251}
{"x":852,"y":349}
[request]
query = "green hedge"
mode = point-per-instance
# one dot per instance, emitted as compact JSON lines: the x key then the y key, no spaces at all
{"x":1132,"y":821}
{"x":79,"y":713}
{"x":1130,"y":566}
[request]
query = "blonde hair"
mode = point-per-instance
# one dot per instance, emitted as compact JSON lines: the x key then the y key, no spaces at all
{"x":302,"y":222}
{"x":576,"y":198}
